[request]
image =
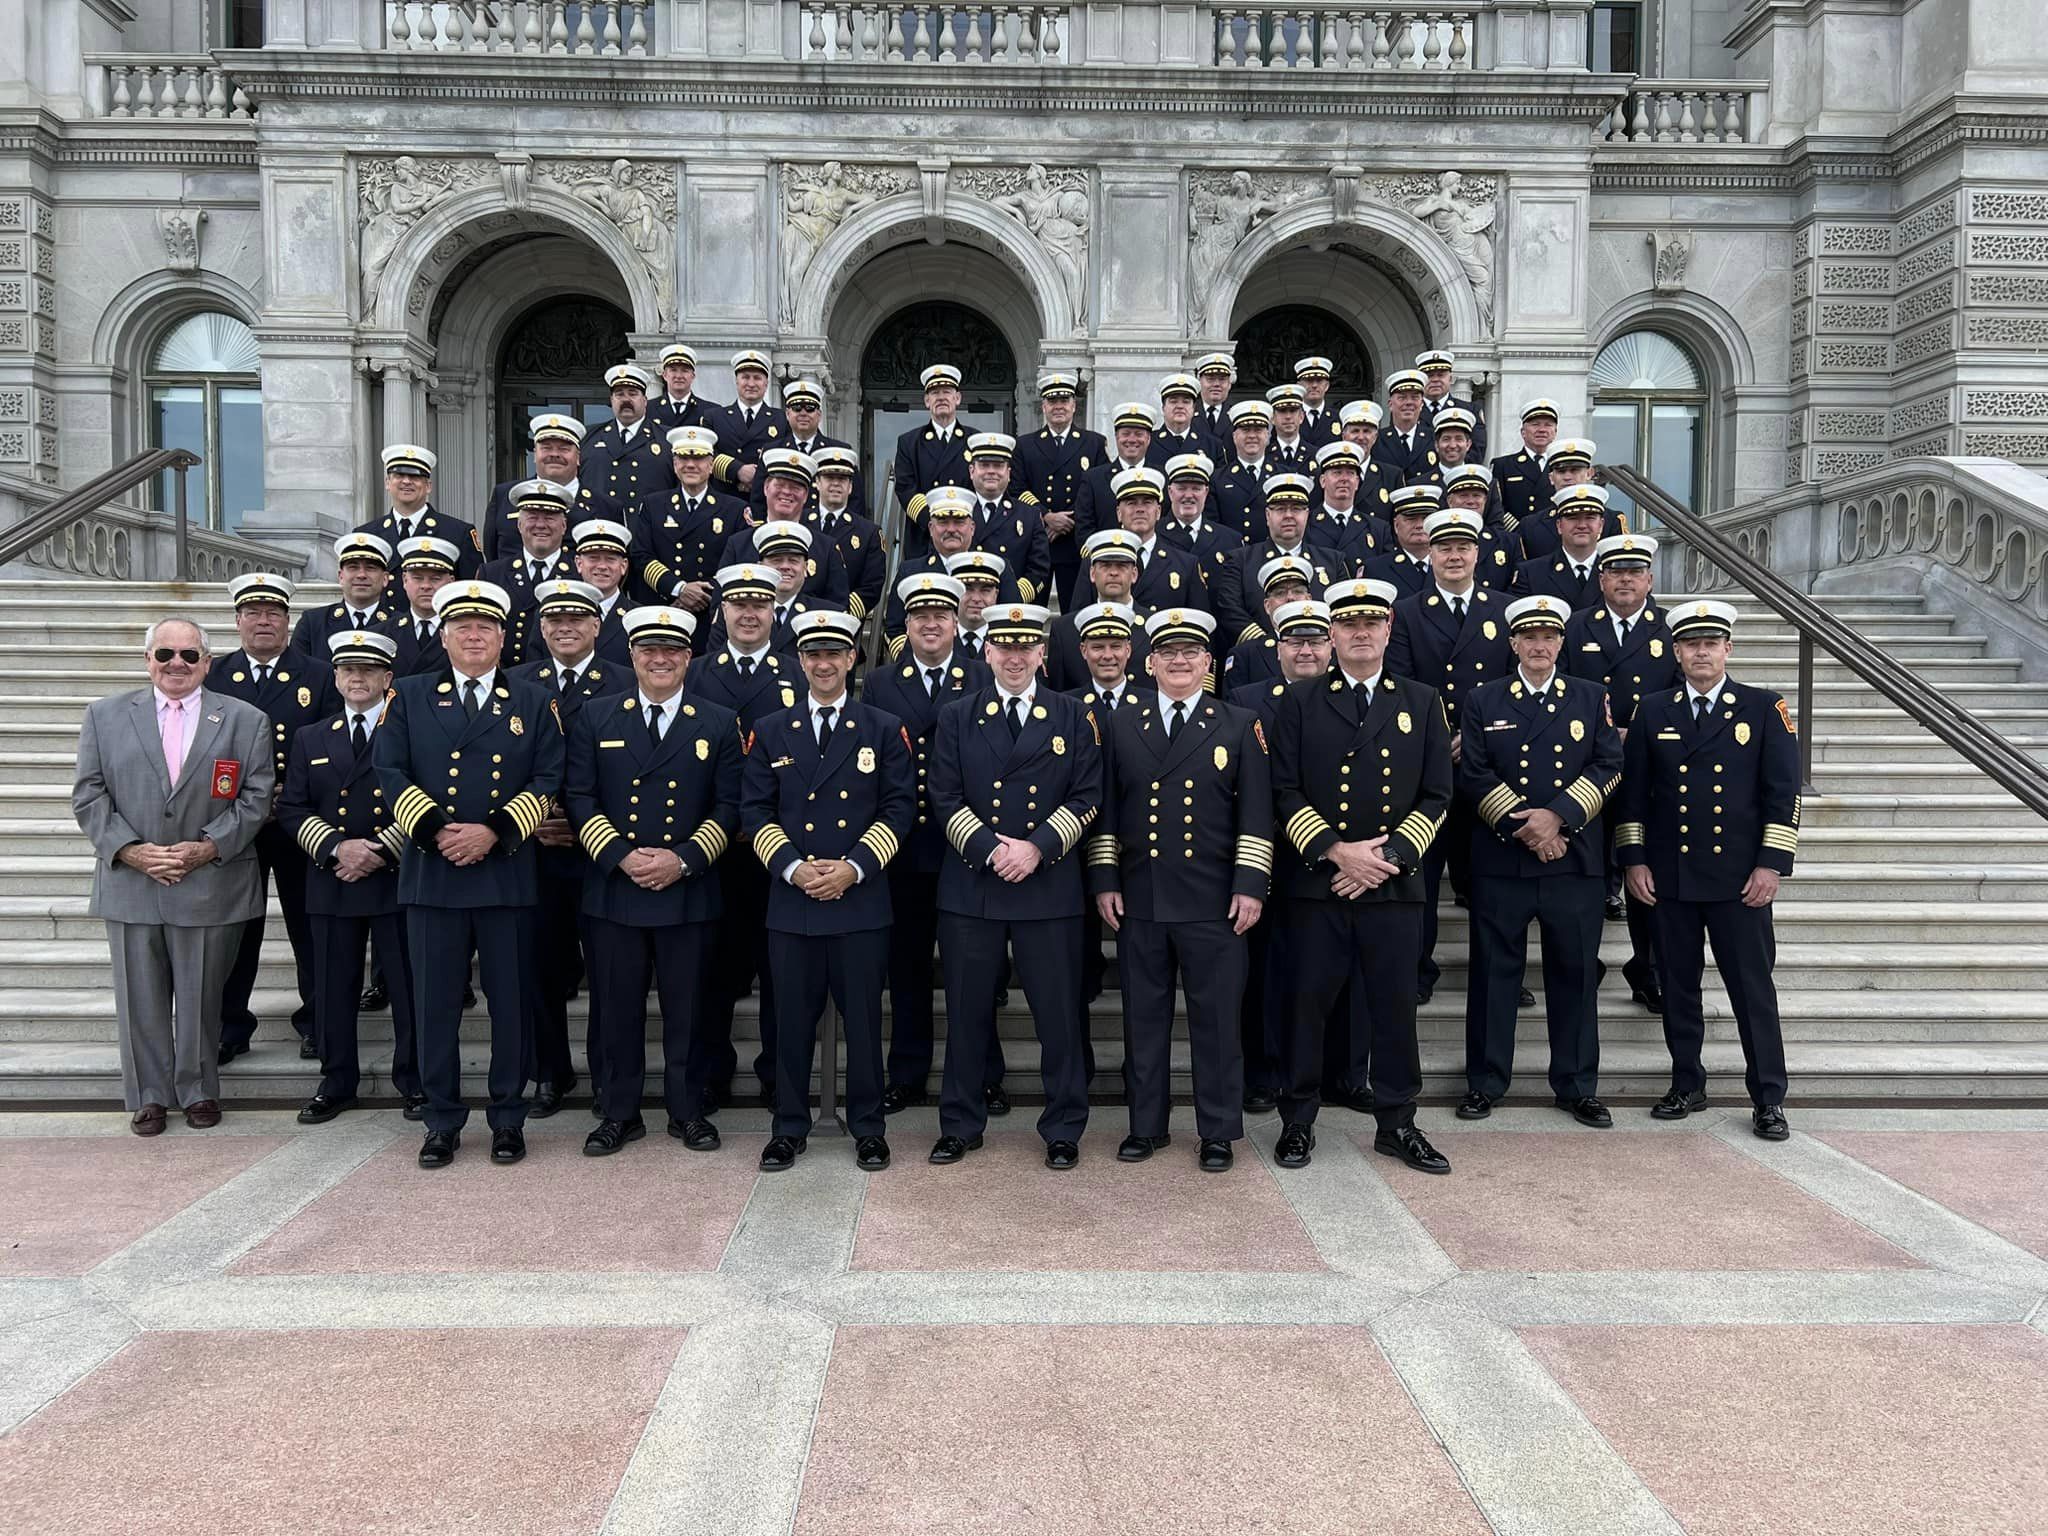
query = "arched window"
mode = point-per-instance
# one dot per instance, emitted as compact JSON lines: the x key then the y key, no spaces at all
{"x":204,"y":395}
{"x":1649,"y":405}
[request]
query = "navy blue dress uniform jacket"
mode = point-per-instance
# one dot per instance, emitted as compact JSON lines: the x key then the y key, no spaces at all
{"x":1349,"y":769}
{"x":757,"y":493}
{"x":431,"y":655}
{"x":1045,"y":786}
{"x":1052,"y":470}
{"x":300,"y":693}
{"x":432,"y":523}
{"x":1252,"y":661}
{"x":1238,"y":494}
{"x":597,"y":678}
{"x":1407,"y":462}
{"x":1209,"y":541}
{"x":1263,"y":700}
{"x":1017,"y":533}
{"x":511,"y":572}
{"x":1097,"y":698}
{"x":672,"y":543}
{"x":741,"y":442}
{"x":1363,"y":535}
{"x":1169,"y":577}
{"x":825,"y":579}
{"x":1431,"y":407}
{"x":665,"y":415}
{"x":1188,"y":823}
{"x":1167,"y":444}
{"x":1703,"y":807}
{"x":331,"y":796}
{"x":1553,"y":576}
{"x":1095,"y":506}
{"x":309,"y":635}
{"x":853,"y":798}
{"x":1560,"y":753}
{"x":715,"y":676}
{"x":1429,"y":646}
{"x":612,"y":643}
{"x":1523,"y":485}
{"x":899,"y":689}
{"x":1409,"y":575}
{"x":1007,"y":591}
{"x":1647,"y":664}
{"x":500,"y":529}
{"x":1239,"y":602}
{"x":624,"y":791}
{"x":924,"y":461}
{"x":616,"y":473}
{"x":861,"y":550}
{"x":438,"y":765}
{"x":1067,"y":669}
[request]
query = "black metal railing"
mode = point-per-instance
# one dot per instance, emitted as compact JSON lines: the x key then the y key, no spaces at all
{"x":1977,"y":743}
{"x":94,"y":494}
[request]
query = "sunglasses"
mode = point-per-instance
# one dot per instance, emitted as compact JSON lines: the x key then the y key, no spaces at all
{"x":164,"y":653}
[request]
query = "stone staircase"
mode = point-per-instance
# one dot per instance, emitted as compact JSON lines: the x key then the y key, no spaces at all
{"x":1912,"y":960}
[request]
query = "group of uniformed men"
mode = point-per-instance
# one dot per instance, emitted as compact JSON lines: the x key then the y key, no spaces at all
{"x":1306,"y":659}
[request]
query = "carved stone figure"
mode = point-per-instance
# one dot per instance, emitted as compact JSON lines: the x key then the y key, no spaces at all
{"x":1464,"y":226}
{"x":640,"y":202}
{"x":391,"y":199}
{"x":1056,"y":212}
{"x":1219,"y":218}
{"x":812,"y":207}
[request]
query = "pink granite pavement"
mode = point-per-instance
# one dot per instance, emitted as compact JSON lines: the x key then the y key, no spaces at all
{"x":1998,"y":1179}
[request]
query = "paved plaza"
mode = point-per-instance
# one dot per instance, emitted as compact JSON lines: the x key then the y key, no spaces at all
{"x":266,"y":1327}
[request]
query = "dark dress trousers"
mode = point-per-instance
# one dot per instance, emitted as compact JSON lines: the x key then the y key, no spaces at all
{"x":902,"y":689}
{"x":437,"y":763}
{"x":850,"y":797}
{"x":1043,"y":785}
{"x":1702,"y":805}
{"x":1349,"y":767}
{"x":1557,"y":751}
{"x":1187,"y":825}
{"x":331,"y":796}
{"x":626,"y":791}
{"x":298,"y":693}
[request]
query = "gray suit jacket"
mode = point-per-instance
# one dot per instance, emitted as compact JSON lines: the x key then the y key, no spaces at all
{"x":123,"y":795}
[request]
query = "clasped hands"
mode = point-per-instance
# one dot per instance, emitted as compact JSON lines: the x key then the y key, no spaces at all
{"x":465,"y":842}
{"x":652,"y":869}
{"x":1361,"y":867}
{"x":1541,"y":832}
{"x":824,"y":879}
{"x":168,"y":863}
{"x":1015,"y":859}
{"x":356,"y":859}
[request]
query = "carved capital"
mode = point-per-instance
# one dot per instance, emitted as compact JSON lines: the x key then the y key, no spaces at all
{"x":180,"y":228}
{"x":931,"y":175}
{"x":515,"y":178}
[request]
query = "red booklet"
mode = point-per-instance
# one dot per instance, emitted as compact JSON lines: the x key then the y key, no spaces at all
{"x":227,"y":778}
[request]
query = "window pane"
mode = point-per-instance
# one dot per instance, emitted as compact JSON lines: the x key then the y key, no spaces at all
{"x":241,"y":455}
{"x":177,"y":419}
{"x":208,"y":343}
{"x":1615,"y":46}
{"x":1644,"y":360}
{"x":1614,"y":430}
{"x":1674,"y":451}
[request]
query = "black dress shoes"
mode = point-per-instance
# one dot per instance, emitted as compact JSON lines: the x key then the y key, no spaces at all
{"x":1061,"y":1155}
{"x":1135,"y":1149}
{"x":1423,"y":995}
{"x":1350,"y":1096}
{"x":1616,"y":910}
{"x":229,"y":1052}
{"x":438,"y":1150}
{"x":951,"y":1149}
{"x":1215,"y":1157}
{"x":415,"y":1106}
{"x":308,"y":1051}
{"x":1650,"y":996}
{"x":375,"y":999}
{"x":508,"y":1144}
{"x":1525,"y":999}
{"x":871,"y":1154}
{"x":1587,"y":1111}
{"x":699,"y":1135}
{"x":468,"y":996}
{"x":1769,"y":1124}
{"x":547,"y":1099}
{"x":898,"y":1097}
{"x":1413,"y":1148}
{"x":611,"y":1135}
{"x":994,"y":1100}
{"x":1676,"y":1106}
{"x":781,"y":1153}
{"x":1474,"y":1106}
{"x":1295,"y":1144}
{"x":1258,"y":1100}
{"x":320,"y":1109}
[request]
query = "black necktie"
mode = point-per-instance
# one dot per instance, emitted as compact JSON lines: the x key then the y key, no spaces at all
{"x":931,"y":681}
{"x":535,"y":573}
{"x":973,"y":645}
{"x":654,"y":723}
{"x":1015,"y":717}
{"x":750,"y":415}
{"x":470,"y":702}
{"x":358,"y":736}
{"x":689,"y":507}
{"x":824,"y":726}
{"x":569,"y":679}
{"x":1178,"y":719}
{"x":1701,"y":708}
{"x":362,"y":620}
{"x":1625,"y":623}
{"x":747,"y":668}
{"x":426,"y":631}
{"x":1581,"y":570}
{"x":262,"y":674}
{"x":1458,"y":610}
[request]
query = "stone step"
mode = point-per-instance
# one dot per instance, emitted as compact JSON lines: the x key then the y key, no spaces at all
{"x":86,"y":1074}
{"x":1906,"y":886}
{"x":1918,"y":754}
{"x":1881,"y":808}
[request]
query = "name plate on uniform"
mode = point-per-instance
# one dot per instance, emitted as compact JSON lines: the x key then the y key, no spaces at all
{"x":611,"y":743}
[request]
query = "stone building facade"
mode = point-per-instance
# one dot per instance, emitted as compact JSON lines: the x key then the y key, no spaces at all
{"x":1791,"y":242}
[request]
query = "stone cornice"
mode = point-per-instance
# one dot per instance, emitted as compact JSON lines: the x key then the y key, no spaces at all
{"x":1639,"y":168}
{"x":769,"y":85}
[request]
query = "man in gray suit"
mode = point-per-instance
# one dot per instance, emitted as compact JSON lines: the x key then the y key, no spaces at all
{"x":173,"y":784}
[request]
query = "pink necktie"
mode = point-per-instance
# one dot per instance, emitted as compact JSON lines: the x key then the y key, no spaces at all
{"x":173,"y":724}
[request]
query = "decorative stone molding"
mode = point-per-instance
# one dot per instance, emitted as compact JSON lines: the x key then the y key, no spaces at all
{"x":1925,"y":223}
{"x":2021,"y":447}
{"x":1854,"y":277}
{"x":1223,"y":208}
{"x":1928,"y":262}
{"x":1053,"y":205}
{"x":1931,"y":300}
{"x":2005,"y":404}
{"x":1856,"y":240}
{"x":1864,"y":356}
{"x":931,"y":177}
{"x":1918,"y":346}
{"x":2000,"y":247}
{"x":391,"y":195}
{"x":1671,"y":252}
{"x":2006,"y":331}
{"x":2008,"y":207}
{"x":1920,"y":415}
{"x":1850,"y":425}
{"x":1934,"y":445}
{"x":815,"y":201}
{"x":1856,"y":317}
{"x":2008,"y":288}
{"x":179,"y":229}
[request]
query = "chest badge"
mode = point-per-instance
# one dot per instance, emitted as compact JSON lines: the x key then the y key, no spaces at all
{"x":1578,"y":730}
{"x":1742,"y":733}
{"x":1059,"y":746}
{"x":853,"y":540}
{"x":1656,"y":647}
{"x":1489,"y":629}
{"x":1222,"y":758}
{"x":866,"y":761}
{"x":305,"y":697}
{"x":1405,"y":722}
{"x":516,"y":725}
{"x":788,"y":697}
{"x":703,"y":750}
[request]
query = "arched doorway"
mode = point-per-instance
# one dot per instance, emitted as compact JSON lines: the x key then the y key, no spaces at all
{"x":901,"y":348}
{"x":553,"y":359}
{"x":1269,"y":343}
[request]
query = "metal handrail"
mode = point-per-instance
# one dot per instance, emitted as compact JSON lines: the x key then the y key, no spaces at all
{"x":96,"y":493}
{"x":1980,"y":746}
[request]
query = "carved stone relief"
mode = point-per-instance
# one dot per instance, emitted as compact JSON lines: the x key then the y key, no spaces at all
{"x":816,"y":200}
{"x":639,"y":200}
{"x":1671,"y":253}
{"x":179,"y":228}
{"x":1053,"y":206}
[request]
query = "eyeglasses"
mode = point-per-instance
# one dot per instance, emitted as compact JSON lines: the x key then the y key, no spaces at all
{"x":164,"y":653}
